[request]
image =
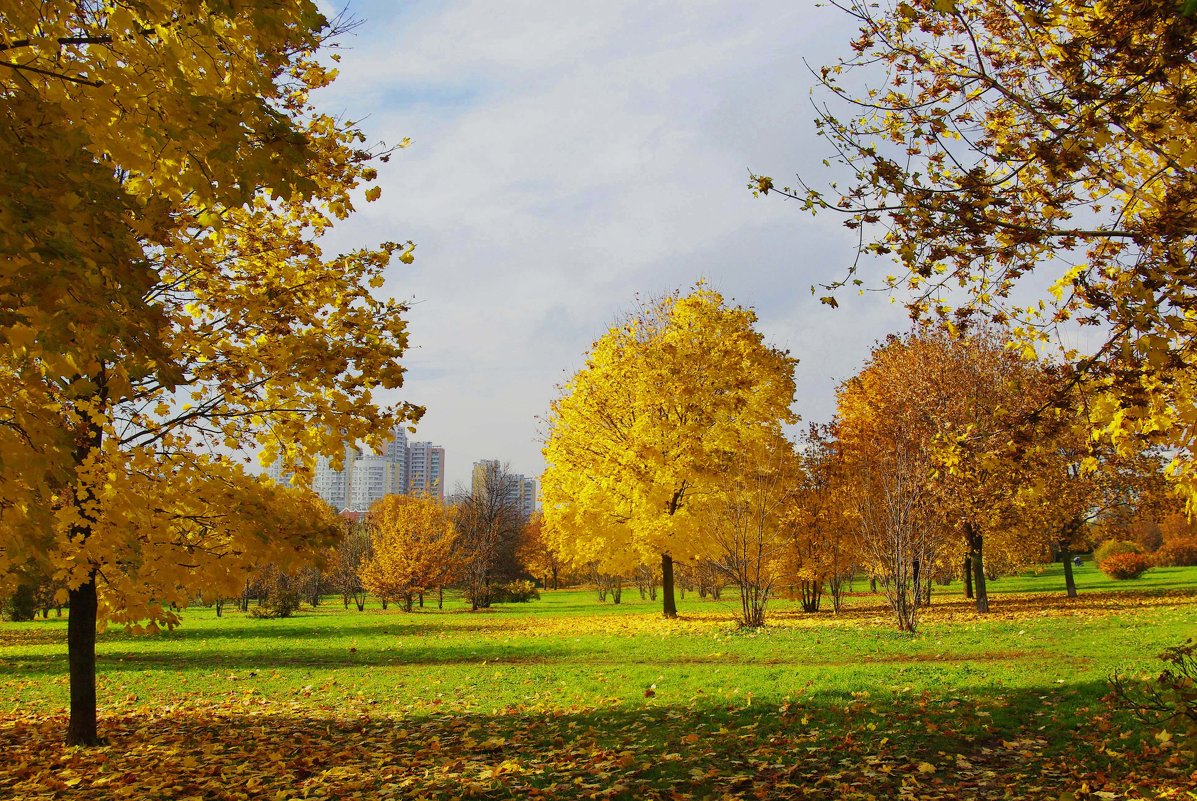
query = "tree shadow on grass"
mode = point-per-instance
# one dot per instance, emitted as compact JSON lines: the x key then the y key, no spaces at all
{"x":314,"y":627}
{"x":983,"y":747}
{"x":147,"y":657}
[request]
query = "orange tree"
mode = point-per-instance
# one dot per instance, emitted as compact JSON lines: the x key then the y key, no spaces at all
{"x":537,"y":553}
{"x":639,"y":436}
{"x":932,"y":431}
{"x":1006,"y":147}
{"x":164,"y":301}
{"x":821,"y":549}
{"x":413,"y":541}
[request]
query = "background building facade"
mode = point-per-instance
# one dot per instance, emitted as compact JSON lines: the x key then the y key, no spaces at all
{"x":519,"y":490}
{"x":402,"y":468}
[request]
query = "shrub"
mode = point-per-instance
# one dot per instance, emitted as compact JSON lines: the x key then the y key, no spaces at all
{"x":1180,"y":552}
{"x":1170,"y":699}
{"x":515,"y":592}
{"x":1125,"y":565}
{"x":278,"y":594}
{"x":1113,"y":548}
{"x":278,"y":604}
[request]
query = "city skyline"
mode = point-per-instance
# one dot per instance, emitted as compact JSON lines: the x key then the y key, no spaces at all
{"x":403,"y":468}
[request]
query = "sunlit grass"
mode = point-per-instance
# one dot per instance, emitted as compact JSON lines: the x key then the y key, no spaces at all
{"x":1035,"y":667}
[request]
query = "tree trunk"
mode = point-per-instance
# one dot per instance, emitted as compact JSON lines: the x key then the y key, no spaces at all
{"x":976,"y":544}
{"x":440,"y":597}
{"x":669,"y":604}
{"x":617,"y":591}
{"x":1069,"y":581}
{"x":81,"y":650}
{"x":968,"y":577}
{"x":421,"y":596}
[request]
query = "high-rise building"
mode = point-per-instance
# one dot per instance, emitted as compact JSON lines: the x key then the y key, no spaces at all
{"x":519,"y":491}
{"x":426,"y":470}
{"x":334,"y":486}
{"x":478,"y":479}
{"x":527,"y":496}
{"x":366,"y":476}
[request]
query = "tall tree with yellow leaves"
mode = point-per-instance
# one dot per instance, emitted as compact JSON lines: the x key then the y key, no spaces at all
{"x":642,"y":435}
{"x":164,"y":301}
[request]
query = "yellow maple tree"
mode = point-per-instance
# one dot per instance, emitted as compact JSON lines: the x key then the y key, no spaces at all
{"x":641,"y":435}
{"x":166,"y":302}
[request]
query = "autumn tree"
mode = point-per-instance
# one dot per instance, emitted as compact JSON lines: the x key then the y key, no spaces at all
{"x":750,"y":519}
{"x":981,"y":404}
{"x":932,"y":430}
{"x":413,"y":540}
{"x":820,"y":548}
{"x":1078,"y":485}
{"x":164,"y":302}
{"x":345,"y":563}
{"x":1002,"y":148}
{"x":639,"y":436}
{"x":896,"y":535}
{"x":489,"y":521}
{"x":537,"y":553}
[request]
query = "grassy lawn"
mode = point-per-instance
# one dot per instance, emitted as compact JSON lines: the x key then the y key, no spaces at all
{"x":567,"y":696}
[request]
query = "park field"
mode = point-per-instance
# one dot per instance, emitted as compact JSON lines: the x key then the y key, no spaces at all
{"x":569,"y":697}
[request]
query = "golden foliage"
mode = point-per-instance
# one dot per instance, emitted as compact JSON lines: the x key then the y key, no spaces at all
{"x":1040,"y":157}
{"x":643,"y":433}
{"x":413,"y":541}
{"x":164,"y":300}
{"x":178,"y":305}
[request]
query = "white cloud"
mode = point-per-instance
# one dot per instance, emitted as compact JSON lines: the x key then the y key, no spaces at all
{"x":568,"y":156}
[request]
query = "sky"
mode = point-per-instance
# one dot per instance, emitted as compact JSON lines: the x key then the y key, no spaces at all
{"x":569,"y":157}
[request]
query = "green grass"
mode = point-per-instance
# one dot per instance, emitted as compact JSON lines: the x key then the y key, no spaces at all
{"x":569,"y":669}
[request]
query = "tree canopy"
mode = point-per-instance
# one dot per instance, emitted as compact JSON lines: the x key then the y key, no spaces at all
{"x":644,"y":431}
{"x":1002,"y":148}
{"x":166,"y":301}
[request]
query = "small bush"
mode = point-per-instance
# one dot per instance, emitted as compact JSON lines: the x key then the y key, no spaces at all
{"x":280,"y":605}
{"x":1113,"y":548}
{"x":1168,"y":701}
{"x":1177,"y":553}
{"x":515,"y":592}
{"x":1125,"y":565}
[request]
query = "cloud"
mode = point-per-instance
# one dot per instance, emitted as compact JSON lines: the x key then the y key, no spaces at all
{"x":569,"y":156}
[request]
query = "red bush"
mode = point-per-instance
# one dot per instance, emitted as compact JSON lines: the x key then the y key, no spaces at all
{"x":1180,"y":552}
{"x":1125,"y":565}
